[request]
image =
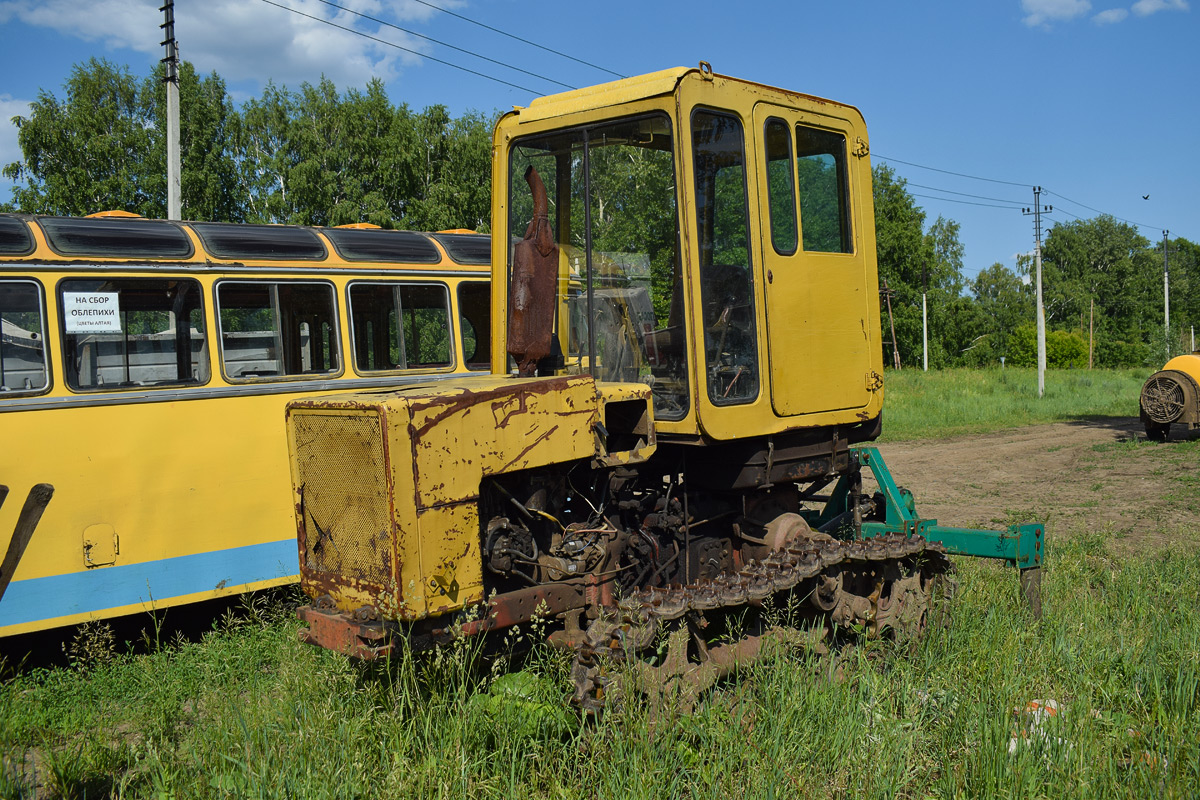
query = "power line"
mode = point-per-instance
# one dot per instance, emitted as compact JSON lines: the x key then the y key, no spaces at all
{"x":519,"y":39}
{"x":948,"y":172}
{"x":1007,"y":183}
{"x":1098,"y":211}
{"x":963,"y":194}
{"x":447,"y":44}
{"x":405,"y":49}
{"x":962,"y":202}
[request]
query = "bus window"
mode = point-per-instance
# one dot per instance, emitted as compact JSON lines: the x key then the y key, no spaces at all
{"x":275,"y":329}
{"x":22,"y":336}
{"x":475,"y":314}
{"x":132,"y":332}
{"x":400,"y":326}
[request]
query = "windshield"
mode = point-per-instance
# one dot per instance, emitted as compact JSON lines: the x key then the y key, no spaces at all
{"x":612,"y":212}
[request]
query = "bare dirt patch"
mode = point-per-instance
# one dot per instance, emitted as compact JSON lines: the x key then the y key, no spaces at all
{"x":1095,"y":475}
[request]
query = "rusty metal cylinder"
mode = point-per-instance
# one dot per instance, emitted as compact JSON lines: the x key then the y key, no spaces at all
{"x":1173,"y":393}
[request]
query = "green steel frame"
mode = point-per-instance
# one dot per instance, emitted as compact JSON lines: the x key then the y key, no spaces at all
{"x":1020,"y":546}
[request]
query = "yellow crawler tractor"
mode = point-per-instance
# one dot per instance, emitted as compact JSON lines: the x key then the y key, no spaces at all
{"x":686,"y":350}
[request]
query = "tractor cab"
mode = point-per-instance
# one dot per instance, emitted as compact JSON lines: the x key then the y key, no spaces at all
{"x":708,"y":237}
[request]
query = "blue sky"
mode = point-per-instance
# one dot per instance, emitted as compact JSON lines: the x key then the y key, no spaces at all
{"x":1094,"y":100}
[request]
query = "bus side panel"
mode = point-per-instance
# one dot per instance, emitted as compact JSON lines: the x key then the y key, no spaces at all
{"x":153,"y":503}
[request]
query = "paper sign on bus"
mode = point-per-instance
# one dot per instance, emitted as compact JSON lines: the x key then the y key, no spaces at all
{"x":92,"y":312}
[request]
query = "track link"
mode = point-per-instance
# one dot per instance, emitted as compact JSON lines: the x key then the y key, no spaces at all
{"x":882,"y":583}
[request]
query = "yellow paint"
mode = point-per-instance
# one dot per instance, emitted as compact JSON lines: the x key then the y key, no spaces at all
{"x":201,"y":473}
{"x":437,"y":445}
{"x":817,"y":314}
{"x":1189,"y":364}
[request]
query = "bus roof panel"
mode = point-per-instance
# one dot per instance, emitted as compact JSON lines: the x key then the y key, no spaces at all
{"x":266,"y":242}
{"x":406,"y":247}
{"x":115,"y":237}
{"x":15,"y":238}
{"x":467,"y":248}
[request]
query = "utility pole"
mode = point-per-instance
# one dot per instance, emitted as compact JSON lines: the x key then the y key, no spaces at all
{"x":1037,"y":211}
{"x":925,"y":320}
{"x":172,"y":81}
{"x":887,"y":294}
{"x":1166,"y":296}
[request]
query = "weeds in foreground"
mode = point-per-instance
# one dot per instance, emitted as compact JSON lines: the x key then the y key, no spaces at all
{"x":250,"y":712}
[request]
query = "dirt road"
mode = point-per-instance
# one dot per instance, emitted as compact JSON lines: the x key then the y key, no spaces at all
{"x":1099,"y":475}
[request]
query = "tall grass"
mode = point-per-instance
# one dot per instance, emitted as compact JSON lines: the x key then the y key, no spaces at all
{"x":922,"y":405}
{"x":251,"y":712}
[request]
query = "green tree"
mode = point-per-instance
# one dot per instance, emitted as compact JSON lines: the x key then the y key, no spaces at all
{"x":1185,"y":291}
{"x":913,"y":260}
{"x":1105,"y":261}
{"x":451,"y":166}
{"x":263,"y":156}
{"x":104,"y":146}
{"x":1005,"y":302}
{"x":87,"y":152}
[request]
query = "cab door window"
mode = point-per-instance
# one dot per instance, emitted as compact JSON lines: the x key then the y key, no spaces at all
{"x":722,"y":225}
{"x":781,"y":193}
{"x":126,"y":332}
{"x":824,"y":190}
{"x":23,"y":367}
{"x":277,"y":329}
{"x":400,"y":326}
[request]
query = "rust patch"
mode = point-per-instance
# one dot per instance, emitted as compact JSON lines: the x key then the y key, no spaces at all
{"x":529,"y":447}
{"x":513,"y":608}
{"x":448,"y":405}
{"x":503,"y":411}
{"x":531,"y":295}
{"x":343,"y":634}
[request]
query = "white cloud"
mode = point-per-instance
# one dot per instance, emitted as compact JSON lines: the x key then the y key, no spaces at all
{"x":1043,"y":12}
{"x":1111,"y":16}
{"x":1144,"y":8}
{"x":244,"y":40}
{"x":10,"y":151}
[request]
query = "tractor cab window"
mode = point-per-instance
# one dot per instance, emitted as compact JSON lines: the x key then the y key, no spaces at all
{"x":824,"y":195}
{"x":612,"y":213}
{"x":722,"y":226}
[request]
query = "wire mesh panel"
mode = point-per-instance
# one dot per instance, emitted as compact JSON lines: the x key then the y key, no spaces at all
{"x":343,"y":473}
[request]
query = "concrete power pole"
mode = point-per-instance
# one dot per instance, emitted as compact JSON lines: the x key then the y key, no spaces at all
{"x":1037,"y":260}
{"x":924,"y":320}
{"x":172,"y":81}
{"x":1166,"y":296}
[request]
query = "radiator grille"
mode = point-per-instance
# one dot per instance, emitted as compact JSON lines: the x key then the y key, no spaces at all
{"x":343,"y":478}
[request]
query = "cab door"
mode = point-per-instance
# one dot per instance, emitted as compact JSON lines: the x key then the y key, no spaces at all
{"x":819,"y":328}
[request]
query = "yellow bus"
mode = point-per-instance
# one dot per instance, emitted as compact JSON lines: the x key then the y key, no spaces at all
{"x":144,"y":370}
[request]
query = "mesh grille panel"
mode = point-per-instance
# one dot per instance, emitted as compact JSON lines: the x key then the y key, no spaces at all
{"x":344,"y":478}
{"x":1163,"y":399}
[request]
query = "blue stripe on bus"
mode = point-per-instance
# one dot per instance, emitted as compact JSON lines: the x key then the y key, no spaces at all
{"x":102,"y":588}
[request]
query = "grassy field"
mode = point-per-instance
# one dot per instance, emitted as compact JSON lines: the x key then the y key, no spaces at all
{"x":248,"y":711}
{"x":925,"y":405}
